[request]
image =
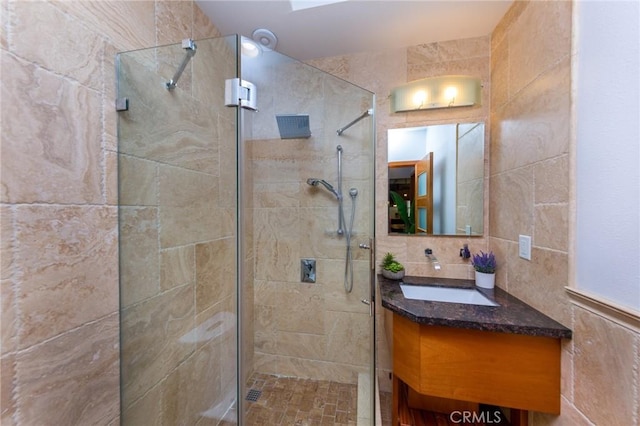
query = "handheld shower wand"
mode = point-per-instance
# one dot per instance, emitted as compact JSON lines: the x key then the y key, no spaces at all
{"x":327,"y":185}
{"x":338,"y":195}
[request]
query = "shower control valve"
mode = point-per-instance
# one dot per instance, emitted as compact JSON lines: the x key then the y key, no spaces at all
{"x":308,"y":270}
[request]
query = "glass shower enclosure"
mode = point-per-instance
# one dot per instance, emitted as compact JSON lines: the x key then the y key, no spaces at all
{"x":246,"y":222}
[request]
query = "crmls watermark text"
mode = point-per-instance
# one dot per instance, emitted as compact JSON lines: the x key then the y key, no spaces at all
{"x":487,"y":417}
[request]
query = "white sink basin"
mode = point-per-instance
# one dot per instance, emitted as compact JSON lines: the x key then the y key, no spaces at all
{"x":468,"y":296}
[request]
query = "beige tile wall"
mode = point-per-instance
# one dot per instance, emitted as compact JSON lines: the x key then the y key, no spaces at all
{"x":530,"y":193}
{"x":60,"y":326}
{"x":301,"y":329}
{"x":380,"y":72}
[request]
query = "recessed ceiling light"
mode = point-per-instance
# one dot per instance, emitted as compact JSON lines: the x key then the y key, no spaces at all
{"x":265,"y":38}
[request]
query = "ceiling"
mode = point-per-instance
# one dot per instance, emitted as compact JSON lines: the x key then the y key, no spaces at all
{"x":353,"y":26}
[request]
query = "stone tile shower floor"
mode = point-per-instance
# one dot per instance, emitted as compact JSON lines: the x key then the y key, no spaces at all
{"x":300,"y":402}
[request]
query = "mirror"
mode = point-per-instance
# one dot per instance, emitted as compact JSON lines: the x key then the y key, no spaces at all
{"x":436,"y":180}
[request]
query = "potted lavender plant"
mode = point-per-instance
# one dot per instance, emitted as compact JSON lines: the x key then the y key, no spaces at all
{"x":485,"y":267}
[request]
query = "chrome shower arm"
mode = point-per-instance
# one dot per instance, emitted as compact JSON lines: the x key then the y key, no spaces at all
{"x":190,"y":46}
{"x":364,"y":114}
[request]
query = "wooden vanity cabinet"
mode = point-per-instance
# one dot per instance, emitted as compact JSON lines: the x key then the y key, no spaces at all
{"x":503,"y":369}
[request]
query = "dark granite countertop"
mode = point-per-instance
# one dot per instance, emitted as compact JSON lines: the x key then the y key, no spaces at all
{"x":511,"y":316}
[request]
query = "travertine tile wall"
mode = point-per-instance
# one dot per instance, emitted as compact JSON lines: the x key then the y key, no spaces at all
{"x":60,"y":350}
{"x":301,"y":329}
{"x":380,"y":72}
{"x":531,"y":188}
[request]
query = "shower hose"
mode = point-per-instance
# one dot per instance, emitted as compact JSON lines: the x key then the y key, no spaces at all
{"x":348,"y":261}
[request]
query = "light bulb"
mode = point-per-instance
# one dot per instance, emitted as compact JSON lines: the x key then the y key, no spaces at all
{"x":419,"y":98}
{"x":450,"y":94}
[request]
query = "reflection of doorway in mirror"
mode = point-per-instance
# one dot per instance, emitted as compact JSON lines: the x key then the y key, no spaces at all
{"x":402,"y":181}
{"x":424,"y":194}
{"x":457,"y":176}
{"x":413,"y":182}
{"x":413,"y":145}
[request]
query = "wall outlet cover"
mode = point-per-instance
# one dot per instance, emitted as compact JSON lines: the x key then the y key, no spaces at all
{"x":524,"y":246}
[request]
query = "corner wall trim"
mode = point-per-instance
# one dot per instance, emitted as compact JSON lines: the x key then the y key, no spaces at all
{"x":623,"y":316}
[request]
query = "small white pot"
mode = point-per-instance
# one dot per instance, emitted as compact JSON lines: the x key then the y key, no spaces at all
{"x":485,"y":280}
{"x":393,"y":275}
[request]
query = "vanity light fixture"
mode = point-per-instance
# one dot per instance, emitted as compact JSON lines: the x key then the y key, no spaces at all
{"x":436,"y":92}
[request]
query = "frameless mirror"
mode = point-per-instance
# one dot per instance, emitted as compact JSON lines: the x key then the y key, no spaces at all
{"x":436,"y":180}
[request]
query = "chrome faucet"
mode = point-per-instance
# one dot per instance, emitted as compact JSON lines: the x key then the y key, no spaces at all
{"x":429,"y":255}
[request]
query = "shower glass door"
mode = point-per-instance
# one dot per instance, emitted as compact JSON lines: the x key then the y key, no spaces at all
{"x":177,"y":233}
{"x":241,"y":301}
{"x":307,"y":347}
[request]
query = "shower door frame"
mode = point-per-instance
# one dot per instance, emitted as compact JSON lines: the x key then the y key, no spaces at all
{"x":240,"y":253}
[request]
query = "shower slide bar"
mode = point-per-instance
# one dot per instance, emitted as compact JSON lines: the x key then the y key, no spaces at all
{"x":364,"y":114}
{"x":343,"y":229}
{"x":340,"y":198}
{"x":190,"y":46}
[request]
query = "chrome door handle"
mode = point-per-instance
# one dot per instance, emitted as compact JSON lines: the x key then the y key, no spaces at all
{"x":366,"y":302}
{"x":365,"y":246}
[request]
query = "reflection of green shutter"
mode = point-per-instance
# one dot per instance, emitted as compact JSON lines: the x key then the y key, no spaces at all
{"x":401,"y":204}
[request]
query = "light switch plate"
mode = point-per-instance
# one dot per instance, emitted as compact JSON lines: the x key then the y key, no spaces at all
{"x":524,"y":246}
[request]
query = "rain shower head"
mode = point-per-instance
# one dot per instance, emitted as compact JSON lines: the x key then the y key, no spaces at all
{"x":293,"y":126}
{"x":327,"y":185}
